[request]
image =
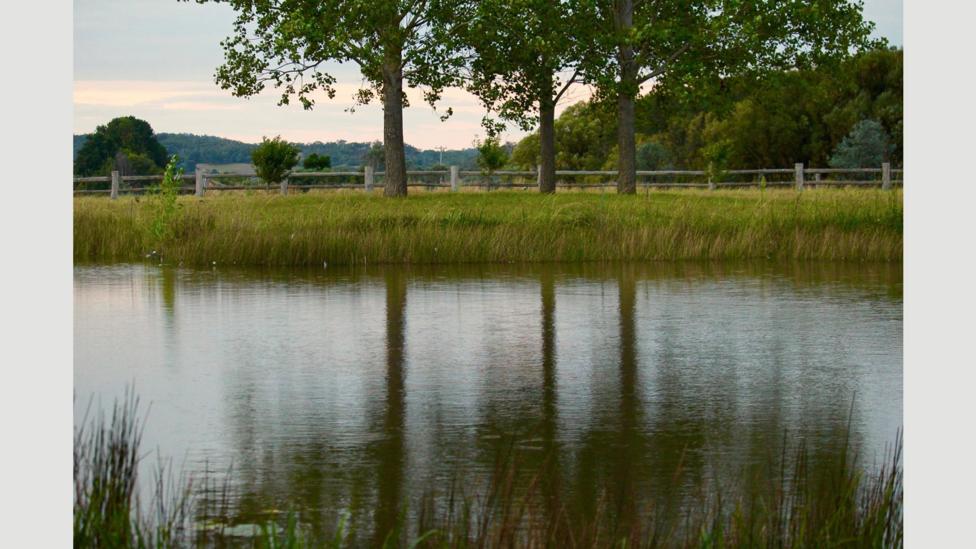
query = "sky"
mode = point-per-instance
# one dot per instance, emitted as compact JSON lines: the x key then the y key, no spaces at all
{"x":155,"y":59}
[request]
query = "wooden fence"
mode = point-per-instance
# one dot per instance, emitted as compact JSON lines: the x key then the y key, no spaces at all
{"x":797,"y":177}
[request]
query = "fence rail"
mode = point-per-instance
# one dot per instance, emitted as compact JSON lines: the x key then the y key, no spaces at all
{"x":456,"y":179}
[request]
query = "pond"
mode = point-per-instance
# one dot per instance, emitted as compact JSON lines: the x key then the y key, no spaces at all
{"x":336,"y":391}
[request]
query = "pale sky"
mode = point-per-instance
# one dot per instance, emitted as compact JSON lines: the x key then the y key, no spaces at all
{"x":155,"y":59}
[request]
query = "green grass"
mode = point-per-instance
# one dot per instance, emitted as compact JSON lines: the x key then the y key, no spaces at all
{"x":262,"y":229}
{"x":822,"y":503}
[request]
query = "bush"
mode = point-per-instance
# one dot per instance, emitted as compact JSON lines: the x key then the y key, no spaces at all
{"x":273,"y":159}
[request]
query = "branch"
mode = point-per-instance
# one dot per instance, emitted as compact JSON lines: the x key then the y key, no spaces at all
{"x":664,"y":64}
{"x":572,"y":80}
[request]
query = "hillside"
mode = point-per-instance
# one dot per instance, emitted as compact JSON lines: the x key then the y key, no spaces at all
{"x":208,"y":149}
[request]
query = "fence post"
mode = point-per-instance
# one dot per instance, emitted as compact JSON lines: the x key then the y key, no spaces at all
{"x":284,"y":185}
{"x":798,"y":171}
{"x":368,"y":179}
{"x":886,"y":176}
{"x":538,"y":176}
{"x":454,"y":179}
{"x":711,"y":183}
{"x":115,"y":184}
{"x":816,"y":177}
{"x":199,"y":182}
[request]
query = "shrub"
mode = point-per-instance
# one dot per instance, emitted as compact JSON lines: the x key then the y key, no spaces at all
{"x":273,"y":158}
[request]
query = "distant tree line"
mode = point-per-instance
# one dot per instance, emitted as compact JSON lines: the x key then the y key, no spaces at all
{"x":207,"y":149}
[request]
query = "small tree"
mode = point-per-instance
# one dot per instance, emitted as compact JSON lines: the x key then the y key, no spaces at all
{"x":867,"y":146}
{"x":315,"y":161}
{"x":492,"y":155}
{"x":163,"y":207}
{"x":273,"y":158}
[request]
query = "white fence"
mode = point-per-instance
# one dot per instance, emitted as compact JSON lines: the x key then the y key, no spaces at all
{"x":798,"y":177}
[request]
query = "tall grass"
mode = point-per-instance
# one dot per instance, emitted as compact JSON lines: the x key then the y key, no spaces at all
{"x":797,"y":502}
{"x":348,"y":228}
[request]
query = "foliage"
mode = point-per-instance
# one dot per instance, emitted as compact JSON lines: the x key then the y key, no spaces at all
{"x":865,"y":147}
{"x":520,"y":50}
{"x":273,"y":158}
{"x":492,"y":155}
{"x":205,"y":149}
{"x":315,"y":161}
{"x":652,"y":155}
{"x":742,"y":122}
{"x":163,"y":206}
{"x":129,"y":135}
{"x":584,"y":136}
{"x":287,"y":42}
{"x":677,"y":43}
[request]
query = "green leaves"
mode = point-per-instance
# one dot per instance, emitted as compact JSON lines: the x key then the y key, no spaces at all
{"x":273,"y":158}
{"x":285,"y":43}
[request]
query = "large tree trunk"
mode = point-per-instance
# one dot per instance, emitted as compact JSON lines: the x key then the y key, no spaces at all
{"x":626,"y":146}
{"x":626,"y":92}
{"x":395,"y":182}
{"x":547,"y":146}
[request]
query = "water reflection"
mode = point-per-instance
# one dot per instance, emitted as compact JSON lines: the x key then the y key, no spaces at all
{"x":389,"y":452}
{"x":333,"y":392}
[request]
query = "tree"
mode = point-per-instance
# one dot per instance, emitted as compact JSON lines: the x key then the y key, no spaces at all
{"x":867,"y":146}
{"x":315,"y":161}
{"x":675,"y":43}
{"x":492,"y":155}
{"x":141,"y":153}
{"x":273,"y":158}
{"x":525,"y":57}
{"x":286,"y":42}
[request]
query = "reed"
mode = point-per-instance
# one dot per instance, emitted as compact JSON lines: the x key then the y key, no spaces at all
{"x":258,"y":229}
{"x":795,"y":502}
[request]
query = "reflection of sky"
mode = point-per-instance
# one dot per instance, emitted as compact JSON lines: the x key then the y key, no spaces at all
{"x":288,"y":378}
{"x":155,"y":59}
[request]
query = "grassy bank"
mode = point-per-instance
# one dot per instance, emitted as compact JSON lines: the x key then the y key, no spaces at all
{"x":801,"y":503}
{"x":350,"y":228}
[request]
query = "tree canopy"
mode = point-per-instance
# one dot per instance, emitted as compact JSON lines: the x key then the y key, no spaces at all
{"x":273,"y":158}
{"x":286,"y":43}
{"x":680,"y":43}
{"x":127,"y":144}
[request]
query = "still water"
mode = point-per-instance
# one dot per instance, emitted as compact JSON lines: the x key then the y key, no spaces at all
{"x":335,"y":390}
